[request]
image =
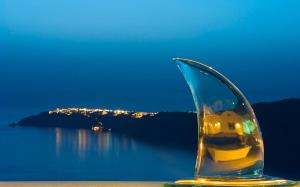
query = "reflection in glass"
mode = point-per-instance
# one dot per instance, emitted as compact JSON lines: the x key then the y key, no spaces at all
{"x":230,"y":145}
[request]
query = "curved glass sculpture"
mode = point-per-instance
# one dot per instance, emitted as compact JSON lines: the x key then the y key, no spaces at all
{"x":230,"y":145}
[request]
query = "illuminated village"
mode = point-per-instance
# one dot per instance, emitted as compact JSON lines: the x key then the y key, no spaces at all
{"x":102,"y":112}
{"x":87,"y":112}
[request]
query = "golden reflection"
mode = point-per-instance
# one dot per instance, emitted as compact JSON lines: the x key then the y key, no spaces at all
{"x":228,"y":155}
{"x":82,"y":142}
{"x":235,"y":182}
{"x":106,"y":140}
{"x":99,"y":143}
{"x":57,"y":140}
{"x":227,"y":123}
{"x":231,"y":141}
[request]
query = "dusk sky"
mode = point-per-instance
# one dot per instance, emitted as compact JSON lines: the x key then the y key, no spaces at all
{"x":118,"y":54}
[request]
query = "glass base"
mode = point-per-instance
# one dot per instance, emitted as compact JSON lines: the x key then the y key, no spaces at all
{"x":262,"y":181}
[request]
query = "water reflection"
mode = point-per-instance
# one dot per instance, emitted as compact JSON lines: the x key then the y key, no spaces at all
{"x":83,"y":141}
{"x":57,"y":140}
{"x":80,"y":154}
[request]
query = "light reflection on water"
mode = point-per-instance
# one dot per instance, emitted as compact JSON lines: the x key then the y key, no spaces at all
{"x":29,"y":153}
{"x":84,"y":140}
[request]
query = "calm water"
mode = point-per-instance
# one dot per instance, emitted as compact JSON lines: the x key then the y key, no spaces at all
{"x":29,"y":153}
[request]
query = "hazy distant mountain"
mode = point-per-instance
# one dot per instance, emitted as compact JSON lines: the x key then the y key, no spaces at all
{"x":279,"y":122}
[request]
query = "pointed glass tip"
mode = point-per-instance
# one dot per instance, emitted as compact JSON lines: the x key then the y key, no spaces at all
{"x":183,"y":60}
{"x":196,"y":64}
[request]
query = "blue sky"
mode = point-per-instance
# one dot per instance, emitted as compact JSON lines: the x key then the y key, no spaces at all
{"x":117,"y":54}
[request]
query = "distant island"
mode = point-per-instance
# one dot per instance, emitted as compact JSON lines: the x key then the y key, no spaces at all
{"x":279,"y":122}
{"x":178,"y":129}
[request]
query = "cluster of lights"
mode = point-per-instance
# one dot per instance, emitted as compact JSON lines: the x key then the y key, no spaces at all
{"x":102,"y":112}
